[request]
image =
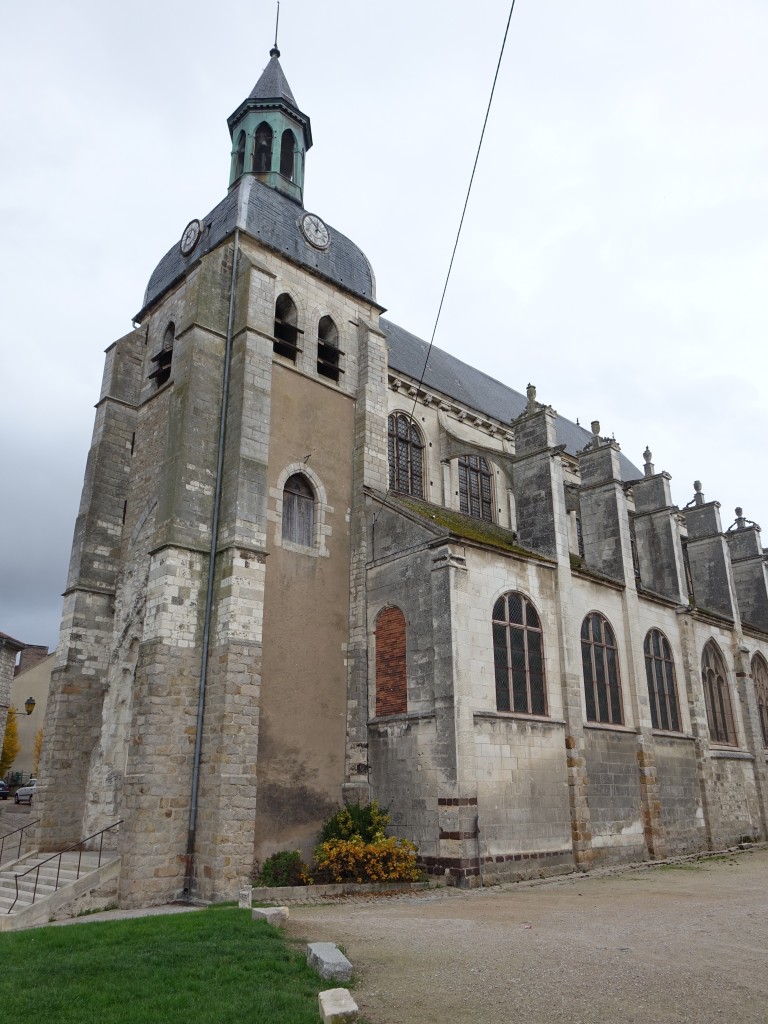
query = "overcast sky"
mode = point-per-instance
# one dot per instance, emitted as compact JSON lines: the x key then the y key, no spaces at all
{"x":614,"y":253}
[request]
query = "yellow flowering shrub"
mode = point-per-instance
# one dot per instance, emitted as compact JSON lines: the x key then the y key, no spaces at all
{"x":386,"y":859}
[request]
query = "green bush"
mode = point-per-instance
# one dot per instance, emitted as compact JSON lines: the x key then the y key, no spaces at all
{"x":283,"y":868}
{"x":367,"y":821}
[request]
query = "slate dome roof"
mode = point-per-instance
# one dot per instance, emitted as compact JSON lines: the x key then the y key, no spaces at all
{"x":272,"y":219}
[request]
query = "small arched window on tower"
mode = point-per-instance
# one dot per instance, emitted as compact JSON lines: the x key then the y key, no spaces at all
{"x":760,"y":677}
{"x":406,"y":455}
{"x":287,"y":333}
{"x":298,"y":510}
{"x":262,"y":149}
{"x":328,"y":351}
{"x":162,"y":372}
{"x":475,"y":494}
{"x":717,"y":696}
{"x":288,"y":155}
{"x":240,"y":155}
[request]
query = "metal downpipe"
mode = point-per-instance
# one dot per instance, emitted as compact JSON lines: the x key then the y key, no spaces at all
{"x":191,"y":834}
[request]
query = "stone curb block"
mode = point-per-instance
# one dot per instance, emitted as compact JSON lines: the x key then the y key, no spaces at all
{"x":303,"y":892}
{"x":337,"y":1005}
{"x":329,"y":962}
{"x":272,"y":915}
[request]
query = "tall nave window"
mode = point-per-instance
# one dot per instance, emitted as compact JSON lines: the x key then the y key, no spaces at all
{"x":475,"y":494}
{"x":518,"y":656}
{"x":406,"y":455}
{"x":600,"y":662}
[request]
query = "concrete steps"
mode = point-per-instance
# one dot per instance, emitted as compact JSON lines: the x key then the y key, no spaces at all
{"x":42,"y":892}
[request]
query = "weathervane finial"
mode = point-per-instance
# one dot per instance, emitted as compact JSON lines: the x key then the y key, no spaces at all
{"x":274,"y":52}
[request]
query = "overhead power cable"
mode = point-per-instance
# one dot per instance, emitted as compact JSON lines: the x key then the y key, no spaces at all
{"x":463,"y":215}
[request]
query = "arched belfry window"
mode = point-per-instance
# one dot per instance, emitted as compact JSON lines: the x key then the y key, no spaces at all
{"x":298,"y":510}
{"x":760,"y":678}
{"x":660,"y":676}
{"x":518,"y":656}
{"x":164,"y":358}
{"x":288,"y":155}
{"x":600,"y":663}
{"x":287,"y":333}
{"x":262,"y":149}
{"x":717,"y":696}
{"x":475,"y":492}
{"x":391,"y":674}
{"x":240,"y":156}
{"x":328,"y":351}
{"x":406,"y":451}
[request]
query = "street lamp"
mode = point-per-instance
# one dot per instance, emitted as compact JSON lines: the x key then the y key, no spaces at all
{"x":29,"y":705}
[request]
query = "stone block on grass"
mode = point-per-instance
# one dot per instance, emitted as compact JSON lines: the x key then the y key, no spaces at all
{"x":329,"y":962}
{"x":337,"y":1006}
{"x":273,"y":915}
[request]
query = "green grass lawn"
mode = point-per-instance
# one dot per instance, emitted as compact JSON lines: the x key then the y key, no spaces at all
{"x":212,"y":967}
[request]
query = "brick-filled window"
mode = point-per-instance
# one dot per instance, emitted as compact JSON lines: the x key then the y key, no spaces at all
{"x":760,"y":677}
{"x":518,"y":656}
{"x":717,"y":697}
{"x":298,"y":510}
{"x":406,"y":455}
{"x":391,"y":676}
{"x":660,"y":675}
{"x":600,"y":662}
{"x":475,"y":493}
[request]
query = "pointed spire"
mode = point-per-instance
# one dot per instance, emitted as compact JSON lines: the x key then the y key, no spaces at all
{"x":273,"y":85}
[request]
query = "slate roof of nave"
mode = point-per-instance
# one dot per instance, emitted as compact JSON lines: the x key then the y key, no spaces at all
{"x":273,"y":219}
{"x":457,"y":380}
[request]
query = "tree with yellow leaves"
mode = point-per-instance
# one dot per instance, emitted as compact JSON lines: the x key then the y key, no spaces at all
{"x":11,"y":743}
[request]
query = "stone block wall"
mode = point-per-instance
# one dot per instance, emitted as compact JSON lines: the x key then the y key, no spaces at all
{"x":614,"y":795}
{"x":681,"y":807}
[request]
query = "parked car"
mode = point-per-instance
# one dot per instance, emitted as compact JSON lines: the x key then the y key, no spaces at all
{"x":4,"y":790}
{"x":25,"y":794}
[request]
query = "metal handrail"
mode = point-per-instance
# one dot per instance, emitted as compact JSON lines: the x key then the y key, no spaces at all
{"x":21,"y":837}
{"x":60,"y":854}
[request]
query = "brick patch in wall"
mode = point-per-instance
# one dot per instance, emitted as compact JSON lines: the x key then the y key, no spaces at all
{"x":461,"y":801}
{"x":391,"y":680}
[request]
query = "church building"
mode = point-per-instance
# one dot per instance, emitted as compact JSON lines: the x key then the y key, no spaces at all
{"x":312,"y":565}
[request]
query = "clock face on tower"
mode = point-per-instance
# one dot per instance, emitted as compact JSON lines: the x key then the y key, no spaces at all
{"x":315,"y":231}
{"x":190,"y":237}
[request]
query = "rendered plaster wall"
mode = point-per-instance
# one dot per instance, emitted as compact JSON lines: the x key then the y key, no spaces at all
{"x":306,"y":618}
{"x":614,"y":795}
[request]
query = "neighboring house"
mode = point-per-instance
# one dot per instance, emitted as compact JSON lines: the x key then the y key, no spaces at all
{"x":31,"y":683}
{"x":9,"y":653}
{"x":425,"y":587}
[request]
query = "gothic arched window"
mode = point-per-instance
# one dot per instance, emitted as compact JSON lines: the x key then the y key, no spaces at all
{"x":288,"y":154}
{"x":391,"y":676}
{"x":406,"y":450}
{"x":298,"y":510}
{"x":600,"y":662}
{"x":328,"y":351}
{"x":262,"y":149}
{"x":240,"y":155}
{"x":287,"y":333}
{"x":717,"y":696}
{"x":475,"y":494}
{"x":660,"y":675}
{"x":760,"y":677}
{"x":518,"y":656}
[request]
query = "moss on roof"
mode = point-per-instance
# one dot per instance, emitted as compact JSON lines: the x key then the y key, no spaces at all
{"x":466,"y":527}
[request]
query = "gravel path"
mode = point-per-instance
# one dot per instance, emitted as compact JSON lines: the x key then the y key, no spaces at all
{"x":683,"y":943}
